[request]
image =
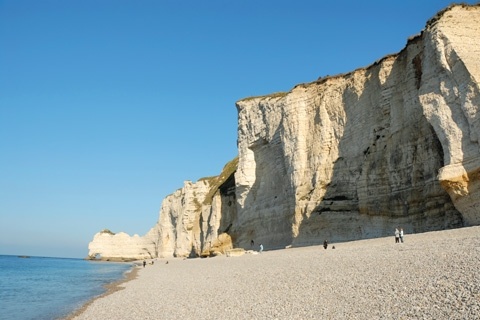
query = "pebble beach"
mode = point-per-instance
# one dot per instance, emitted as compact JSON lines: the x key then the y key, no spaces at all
{"x":433,"y":275}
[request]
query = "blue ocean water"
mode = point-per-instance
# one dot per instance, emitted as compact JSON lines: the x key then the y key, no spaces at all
{"x":51,"y":288}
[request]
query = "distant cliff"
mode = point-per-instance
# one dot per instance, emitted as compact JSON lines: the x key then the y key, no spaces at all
{"x":193,"y":221}
{"x":342,"y":158}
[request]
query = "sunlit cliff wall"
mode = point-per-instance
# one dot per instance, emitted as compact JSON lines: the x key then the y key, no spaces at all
{"x":353,"y":156}
{"x":345,"y":157}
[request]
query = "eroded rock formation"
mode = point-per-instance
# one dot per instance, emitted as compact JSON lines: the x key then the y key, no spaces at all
{"x":194,"y":221}
{"x":110,"y":246}
{"x":345,"y":157}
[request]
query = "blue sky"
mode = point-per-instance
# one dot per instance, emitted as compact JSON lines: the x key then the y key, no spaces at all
{"x":106,"y":107}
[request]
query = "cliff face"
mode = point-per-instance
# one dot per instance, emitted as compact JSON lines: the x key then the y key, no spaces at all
{"x":348,"y":157}
{"x":353,"y":156}
{"x":449,"y":95}
{"x":193,"y":221}
{"x":107,"y":245}
{"x":179,"y":219}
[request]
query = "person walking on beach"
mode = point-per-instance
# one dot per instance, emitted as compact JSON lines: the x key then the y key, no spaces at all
{"x":401,"y":235}
{"x":144,"y":263}
{"x":325,"y":244}
{"x":397,"y":235}
{"x":261,"y":248}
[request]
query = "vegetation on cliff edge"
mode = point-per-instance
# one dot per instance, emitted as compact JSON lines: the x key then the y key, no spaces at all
{"x":273,"y":95}
{"x":216,"y":182}
{"x":107,"y":231}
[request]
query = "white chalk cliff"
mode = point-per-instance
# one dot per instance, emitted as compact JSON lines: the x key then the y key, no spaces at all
{"x":342,"y":158}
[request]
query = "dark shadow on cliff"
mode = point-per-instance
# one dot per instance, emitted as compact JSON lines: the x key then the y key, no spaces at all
{"x":385,"y":174}
{"x":222,"y":186}
{"x":270,"y":200}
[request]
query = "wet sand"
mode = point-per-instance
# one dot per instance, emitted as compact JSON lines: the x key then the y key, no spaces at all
{"x":432,"y":275}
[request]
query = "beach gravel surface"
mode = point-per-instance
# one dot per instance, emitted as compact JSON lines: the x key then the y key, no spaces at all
{"x":433,"y":275}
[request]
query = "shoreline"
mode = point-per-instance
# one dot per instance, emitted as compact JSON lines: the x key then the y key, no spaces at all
{"x":111,"y":288}
{"x":432,"y":275}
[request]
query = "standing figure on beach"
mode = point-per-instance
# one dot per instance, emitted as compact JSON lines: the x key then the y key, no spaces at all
{"x":252,"y":243}
{"x":325,"y":244}
{"x":261,"y":248}
{"x":401,"y":235}
{"x":397,"y":235}
{"x":144,"y":263}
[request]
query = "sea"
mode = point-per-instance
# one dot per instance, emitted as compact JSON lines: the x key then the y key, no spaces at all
{"x":44,"y":288}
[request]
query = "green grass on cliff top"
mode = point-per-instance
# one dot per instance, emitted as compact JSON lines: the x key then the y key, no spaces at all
{"x":273,"y":95}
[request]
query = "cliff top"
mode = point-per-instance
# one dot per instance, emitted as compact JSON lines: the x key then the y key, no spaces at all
{"x":430,"y":23}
